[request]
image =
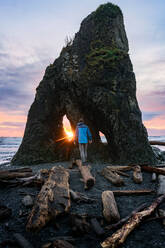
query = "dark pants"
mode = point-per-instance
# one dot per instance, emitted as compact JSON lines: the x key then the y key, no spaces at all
{"x":83,"y":151}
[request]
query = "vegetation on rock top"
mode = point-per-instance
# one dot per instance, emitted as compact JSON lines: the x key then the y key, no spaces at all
{"x":108,"y":10}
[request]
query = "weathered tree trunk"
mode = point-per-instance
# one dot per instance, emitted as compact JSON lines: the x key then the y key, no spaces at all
{"x":96,"y":226}
{"x":137,"y":174}
{"x":161,"y":186}
{"x":110,"y":210}
{"x":133,"y":192}
{"x":151,"y":169}
{"x":88,"y":179}
{"x":53,"y":199}
{"x":113,"y":177}
{"x":155,"y":142}
{"x":22,"y":242}
{"x":120,"y":236}
{"x":124,"y":220}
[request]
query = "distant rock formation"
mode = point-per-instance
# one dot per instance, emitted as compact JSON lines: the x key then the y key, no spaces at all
{"x":93,"y":77}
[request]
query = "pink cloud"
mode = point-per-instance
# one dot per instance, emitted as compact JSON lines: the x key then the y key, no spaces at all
{"x":6,"y":127}
{"x":157,"y":123}
{"x":153,"y":104}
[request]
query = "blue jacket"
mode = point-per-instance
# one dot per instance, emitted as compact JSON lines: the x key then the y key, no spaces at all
{"x":83,"y":133}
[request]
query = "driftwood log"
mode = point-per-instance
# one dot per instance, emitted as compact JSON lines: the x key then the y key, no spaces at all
{"x":161,"y":186}
{"x":75,"y":197}
{"x":133,"y":192}
{"x":110,"y":210}
{"x":151,"y":169}
{"x":16,"y":182}
{"x":21,"y":241}
{"x":53,"y":199}
{"x":124,"y":220}
{"x":33,"y":183}
{"x":36,"y":180}
{"x":79,"y":197}
{"x":119,"y":167}
{"x":17,"y":173}
{"x":155,"y":142}
{"x":137,"y":174}
{"x":19,"y":170}
{"x":120,"y":235}
{"x":112,"y":176}
{"x":88,"y":179}
{"x":121,"y":173}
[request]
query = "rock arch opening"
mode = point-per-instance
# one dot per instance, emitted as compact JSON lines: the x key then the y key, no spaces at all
{"x":69,"y":133}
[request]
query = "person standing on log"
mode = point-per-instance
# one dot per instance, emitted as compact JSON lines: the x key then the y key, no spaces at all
{"x":83,"y":136}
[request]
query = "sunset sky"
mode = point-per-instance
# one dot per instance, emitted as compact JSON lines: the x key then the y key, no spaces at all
{"x":33,"y":33}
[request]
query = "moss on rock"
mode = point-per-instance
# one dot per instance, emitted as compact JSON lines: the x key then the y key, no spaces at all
{"x":103,"y":60}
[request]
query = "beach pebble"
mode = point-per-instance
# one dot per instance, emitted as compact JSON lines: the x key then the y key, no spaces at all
{"x":27,"y":201}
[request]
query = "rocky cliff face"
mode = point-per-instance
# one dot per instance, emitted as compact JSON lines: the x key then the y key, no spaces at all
{"x":93,"y":77}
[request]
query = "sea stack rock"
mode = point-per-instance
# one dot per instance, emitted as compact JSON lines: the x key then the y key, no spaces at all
{"x":92,"y":78}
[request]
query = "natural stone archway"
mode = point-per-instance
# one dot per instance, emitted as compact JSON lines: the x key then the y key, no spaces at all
{"x":93,"y":77}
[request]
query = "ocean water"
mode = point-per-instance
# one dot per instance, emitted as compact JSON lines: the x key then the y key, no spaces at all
{"x":10,"y":145}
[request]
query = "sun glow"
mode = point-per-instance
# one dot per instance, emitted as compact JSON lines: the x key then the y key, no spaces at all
{"x":69,"y":133}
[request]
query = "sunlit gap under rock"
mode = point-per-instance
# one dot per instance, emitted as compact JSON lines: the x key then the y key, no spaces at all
{"x":67,"y":128}
{"x":68,"y":135}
